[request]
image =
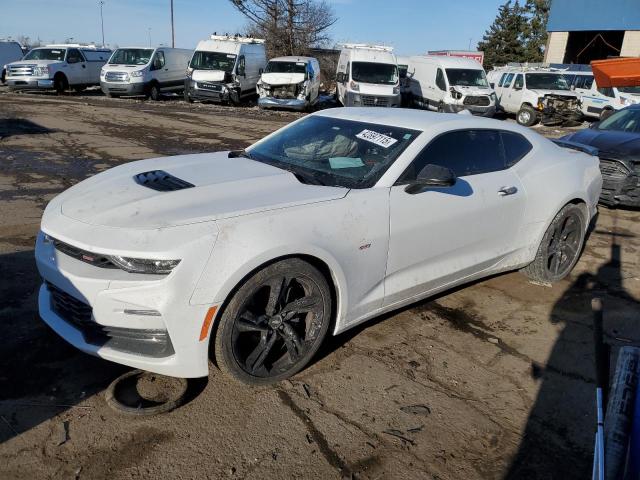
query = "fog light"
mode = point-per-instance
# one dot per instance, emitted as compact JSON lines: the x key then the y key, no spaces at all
{"x":146,"y":313}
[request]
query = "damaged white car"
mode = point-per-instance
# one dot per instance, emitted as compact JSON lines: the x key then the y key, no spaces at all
{"x":254,"y":256}
{"x":290,"y":82}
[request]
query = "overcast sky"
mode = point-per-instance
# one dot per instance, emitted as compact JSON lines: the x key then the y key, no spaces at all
{"x":411,"y":26}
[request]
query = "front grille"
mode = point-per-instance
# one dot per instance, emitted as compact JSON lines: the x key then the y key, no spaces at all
{"x":68,"y":307}
{"x":116,"y":76}
{"x":214,"y":87}
{"x":20,"y":70}
{"x":152,"y":343}
{"x":95,"y":259}
{"x":373,"y":101}
{"x":480,"y":101}
{"x":161,"y":181}
{"x":284,"y":91}
{"x":612,"y":169}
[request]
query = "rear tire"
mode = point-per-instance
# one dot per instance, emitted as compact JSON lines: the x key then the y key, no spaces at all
{"x":560,"y":247}
{"x":3,"y":77}
{"x":274,"y":323}
{"x":527,"y":116}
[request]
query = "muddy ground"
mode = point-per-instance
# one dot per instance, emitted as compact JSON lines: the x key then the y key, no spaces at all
{"x":492,"y":380}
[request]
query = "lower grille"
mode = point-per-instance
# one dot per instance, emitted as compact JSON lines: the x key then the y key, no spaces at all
{"x":373,"y":101}
{"x":116,"y":76}
{"x":480,"y":101}
{"x":214,"y":87}
{"x":68,"y":307}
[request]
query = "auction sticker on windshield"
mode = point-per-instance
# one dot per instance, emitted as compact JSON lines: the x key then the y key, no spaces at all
{"x":377,"y":138}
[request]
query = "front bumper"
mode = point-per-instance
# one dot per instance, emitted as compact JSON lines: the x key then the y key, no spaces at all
{"x":143,"y":321}
{"x":620,"y":184}
{"x":210,"y":92}
{"x":29,"y":83}
{"x":123,"y":88}
{"x":551,"y":117}
{"x":290,"y":103}
{"x":488,"y":111}
{"x":355,"y":99}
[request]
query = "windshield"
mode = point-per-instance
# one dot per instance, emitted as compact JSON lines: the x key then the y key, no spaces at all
{"x":286,"y":67}
{"x":332,"y":151}
{"x":627,"y":120}
{"x":378,"y":73}
{"x":46,"y":54}
{"x":467,"y":77}
{"x":131,"y":56}
{"x":633,"y":90}
{"x":213,"y":61}
{"x":546,"y":81}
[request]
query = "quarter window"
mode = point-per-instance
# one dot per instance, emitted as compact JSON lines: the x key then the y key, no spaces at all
{"x":515,"y":147}
{"x":240,"y":69}
{"x":442,"y":85}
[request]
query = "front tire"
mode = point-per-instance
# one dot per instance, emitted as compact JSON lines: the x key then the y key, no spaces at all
{"x":560,"y":248}
{"x":527,"y":116}
{"x":60,"y":84}
{"x":274,"y":323}
{"x":154,"y":92}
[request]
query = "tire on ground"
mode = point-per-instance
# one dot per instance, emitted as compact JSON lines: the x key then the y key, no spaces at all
{"x":527,"y":116}
{"x":60,"y":83}
{"x":539,"y":269}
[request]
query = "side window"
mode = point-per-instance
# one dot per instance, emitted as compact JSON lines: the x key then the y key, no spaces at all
{"x":515,"y":147}
{"x":519,"y":83}
{"x":310,"y":73}
{"x":466,"y":152}
{"x":158,"y":60}
{"x":74,"y":56}
{"x":607,"y":92}
{"x":579,"y":81}
{"x":442,"y":85}
{"x":241,"y":68}
{"x":588,"y":82}
{"x":507,"y":81}
{"x":502,"y":79}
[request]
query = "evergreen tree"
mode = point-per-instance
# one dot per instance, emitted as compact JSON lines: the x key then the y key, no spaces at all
{"x":504,"y":41}
{"x":536,"y":33}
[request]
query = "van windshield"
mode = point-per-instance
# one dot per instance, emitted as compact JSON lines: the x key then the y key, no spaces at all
{"x":213,"y":61}
{"x":546,"y":81}
{"x":467,"y":77}
{"x":131,"y":56}
{"x":378,"y":73}
{"x":286,"y":67}
{"x":46,"y":54}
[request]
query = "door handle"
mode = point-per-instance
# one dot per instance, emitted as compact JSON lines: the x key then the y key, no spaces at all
{"x":504,"y":191}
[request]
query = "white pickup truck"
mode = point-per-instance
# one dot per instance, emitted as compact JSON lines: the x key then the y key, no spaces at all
{"x":58,"y":67}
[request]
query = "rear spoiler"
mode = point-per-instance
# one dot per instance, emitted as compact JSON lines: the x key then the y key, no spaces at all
{"x":581,"y":147}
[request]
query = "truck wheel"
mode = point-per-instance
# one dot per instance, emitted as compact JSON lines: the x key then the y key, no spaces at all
{"x":560,"y":248}
{"x":606,"y":113}
{"x":154,"y":92}
{"x":60,"y":84}
{"x":3,"y":77}
{"x":187,"y":97}
{"x":527,"y":116}
{"x":274,"y":323}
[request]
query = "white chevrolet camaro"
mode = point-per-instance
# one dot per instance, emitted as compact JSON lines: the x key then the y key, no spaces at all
{"x":252,"y":257}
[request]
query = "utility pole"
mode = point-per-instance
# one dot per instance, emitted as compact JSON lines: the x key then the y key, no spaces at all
{"x":173,"y":33}
{"x":102,"y":21}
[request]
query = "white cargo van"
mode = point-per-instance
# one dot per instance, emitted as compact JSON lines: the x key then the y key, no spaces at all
{"x":225,"y":69}
{"x":9,"y":52}
{"x":601,"y":102}
{"x":367,"y":76}
{"x":58,"y":67}
{"x":289,"y":82}
{"x":450,"y":84}
{"x":145,"y":71}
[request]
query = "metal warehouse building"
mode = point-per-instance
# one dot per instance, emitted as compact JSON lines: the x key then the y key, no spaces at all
{"x":585,"y":30}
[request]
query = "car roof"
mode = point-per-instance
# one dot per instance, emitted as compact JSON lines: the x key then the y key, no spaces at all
{"x":447,"y":61}
{"x":292,"y":59}
{"x":419,"y":119}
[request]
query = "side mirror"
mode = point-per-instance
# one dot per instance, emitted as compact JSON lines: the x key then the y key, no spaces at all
{"x":517,"y":87}
{"x":432,"y":176}
{"x":493,"y":86}
{"x":261,"y":71}
{"x":594,"y":125}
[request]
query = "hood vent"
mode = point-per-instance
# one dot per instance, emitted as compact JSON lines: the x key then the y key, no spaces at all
{"x":161,"y":181}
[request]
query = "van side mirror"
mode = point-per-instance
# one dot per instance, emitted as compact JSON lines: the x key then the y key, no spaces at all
{"x":261,"y":71}
{"x":431,"y":176}
{"x":493,"y":86}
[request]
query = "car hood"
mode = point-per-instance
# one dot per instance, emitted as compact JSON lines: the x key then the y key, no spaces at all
{"x":610,"y":144}
{"x":208,"y":75}
{"x":223,"y":187}
{"x":562,"y":93}
{"x":283,"y":78}
{"x":39,"y":63}
{"x":473,"y":90}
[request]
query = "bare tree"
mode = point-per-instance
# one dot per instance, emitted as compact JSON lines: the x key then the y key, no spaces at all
{"x":290,"y":27}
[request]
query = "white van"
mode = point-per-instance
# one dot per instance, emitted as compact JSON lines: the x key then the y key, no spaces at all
{"x":145,"y":71}
{"x":9,"y":52}
{"x":403,"y":68}
{"x":225,"y":69}
{"x":535,"y":94}
{"x":601,"y":102}
{"x":367,"y":76}
{"x":289,"y":82}
{"x":58,"y":67}
{"x":450,"y":84}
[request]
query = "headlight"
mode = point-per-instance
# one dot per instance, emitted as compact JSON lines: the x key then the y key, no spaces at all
{"x":396,"y":90}
{"x":455,"y":94}
{"x":189,"y":72}
{"x":626,"y":101}
{"x":144,"y":265}
{"x":137,"y":73}
{"x":493,"y":96}
{"x":264,"y":85}
{"x":354,"y":86}
{"x":41,"y":71}
{"x":541,"y":103}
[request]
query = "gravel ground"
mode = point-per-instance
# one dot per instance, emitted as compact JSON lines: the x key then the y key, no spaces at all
{"x":492,"y":380}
